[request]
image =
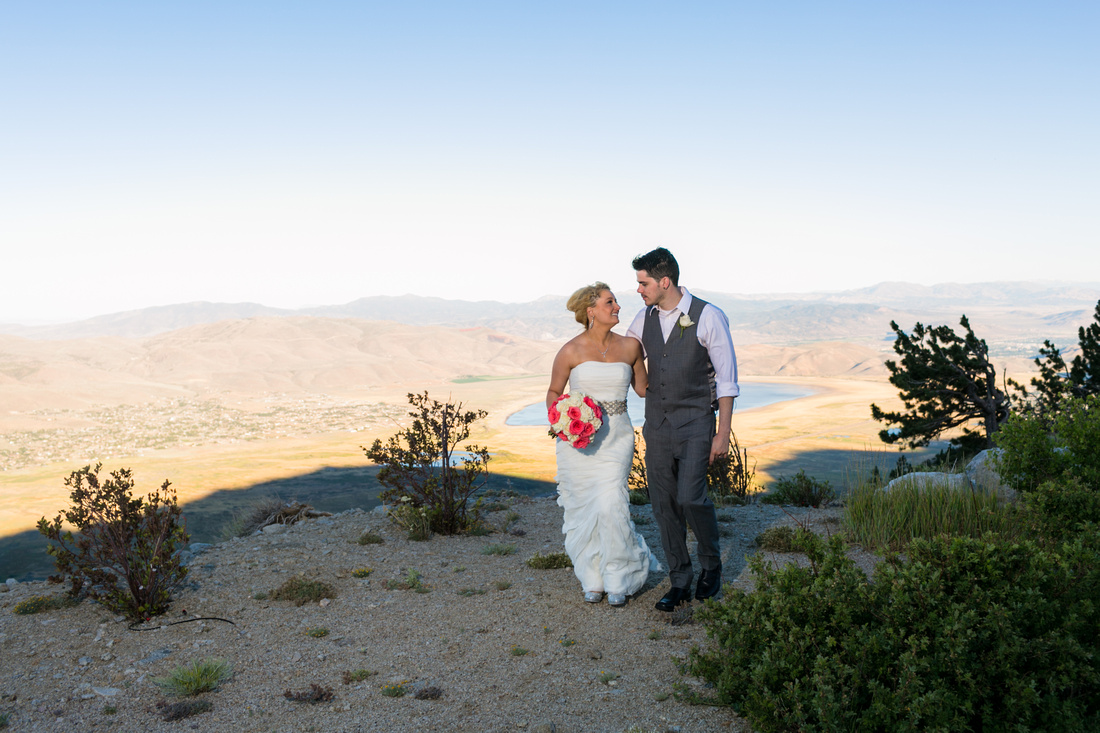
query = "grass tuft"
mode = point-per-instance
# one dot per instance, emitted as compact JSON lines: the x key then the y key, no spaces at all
{"x":781,"y":539}
{"x":890,"y":520}
{"x":498,"y":549}
{"x":370,"y":538}
{"x":317,"y":633}
{"x":553,"y":561}
{"x":196,"y":678}
{"x":518,"y":651}
{"x":361,"y":572}
{"x":502,"y":585}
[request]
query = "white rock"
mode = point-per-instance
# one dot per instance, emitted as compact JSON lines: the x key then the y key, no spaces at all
{"x":983,"y":476}
{"x":106,"y":691}
{"x":274,"y":529}
{"x":929,"y":479}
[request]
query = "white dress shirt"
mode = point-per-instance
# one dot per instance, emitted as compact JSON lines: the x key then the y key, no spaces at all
{"x":714,"y":336}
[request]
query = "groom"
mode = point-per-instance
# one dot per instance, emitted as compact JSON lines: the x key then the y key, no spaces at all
{"x":692,"y":373}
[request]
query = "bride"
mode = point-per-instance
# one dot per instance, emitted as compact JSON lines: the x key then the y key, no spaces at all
{"x":608,"y":554}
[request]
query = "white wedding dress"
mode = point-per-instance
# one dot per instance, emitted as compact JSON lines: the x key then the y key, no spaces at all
{"x":607,"y":553}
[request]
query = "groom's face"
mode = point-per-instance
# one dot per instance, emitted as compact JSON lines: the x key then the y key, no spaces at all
{"x":652,"y":291}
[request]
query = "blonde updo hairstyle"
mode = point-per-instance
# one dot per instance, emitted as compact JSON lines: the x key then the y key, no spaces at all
{"x":580,"y":301}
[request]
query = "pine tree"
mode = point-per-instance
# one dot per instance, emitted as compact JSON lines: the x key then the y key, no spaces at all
{"x":945,"y":381}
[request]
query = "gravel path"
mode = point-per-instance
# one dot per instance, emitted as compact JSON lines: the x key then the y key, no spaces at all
{"x":509,"y":647}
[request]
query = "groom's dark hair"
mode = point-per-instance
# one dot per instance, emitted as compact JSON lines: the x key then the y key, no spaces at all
{"x":657,"y":264}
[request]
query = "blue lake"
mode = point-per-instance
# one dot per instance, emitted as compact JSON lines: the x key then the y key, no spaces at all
{"x":753,"y":395}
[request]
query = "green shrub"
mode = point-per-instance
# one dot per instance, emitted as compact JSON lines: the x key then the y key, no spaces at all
{"x":196,"y":678}
{"x":889,"y":520}
{"x":968,"y":635}
{"x":419,"y":463}
{"x":638,"y":498}
{"x":552,"y":561}
{"x":370,"y":538}
{"x":302,"y":591}
{"x":1035,"y":449}
{"x":123,"y":553}
{"x":802,"y":490}
{"x":780,"y":539}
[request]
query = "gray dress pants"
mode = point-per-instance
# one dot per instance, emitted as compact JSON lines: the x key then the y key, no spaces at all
{"x":676,"y":471}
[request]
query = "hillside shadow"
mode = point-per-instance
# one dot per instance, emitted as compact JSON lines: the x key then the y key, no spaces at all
{"x":330,"y":489}
{"x":841,"y":466}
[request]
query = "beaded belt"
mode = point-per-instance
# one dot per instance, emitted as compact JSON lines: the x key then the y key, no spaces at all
{"x":617,"y":407}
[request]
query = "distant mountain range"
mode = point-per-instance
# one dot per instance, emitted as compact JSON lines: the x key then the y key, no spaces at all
{"x":1012,"y":315}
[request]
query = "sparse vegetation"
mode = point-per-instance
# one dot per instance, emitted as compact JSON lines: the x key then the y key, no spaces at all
{"x":502,"y":585}
{"x":394,"y":689}
{"x":413,"y":581}
{"x":123,"y":553}
{"x":730,"y":478}
{"x":315,"y":694}
{"x":606,"y":678}
{"x":361,"y":572}
{"x":420,"y":463}
{"x":498,"y":549}
{"x":301,"y":591}
{"x":357,"y":675}
{"x":317,"y":632}
{"x":551,"y":561}
{"x":801,"y":490}
{"x":467,"y":592}
{"x":518,"y":651}
{"x":428,"y":693}
{"x":370,"y":538}
{"x":196,"y":678}
{"x":38,"y":604}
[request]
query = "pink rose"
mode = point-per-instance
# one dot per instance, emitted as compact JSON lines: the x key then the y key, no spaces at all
{"x":576,"y":427}
{"x":595,"y":408}
{"x":581,"y":443}
{"x":574,"y":413}
{"x":553,"y":414}
{"x":588,"y":429}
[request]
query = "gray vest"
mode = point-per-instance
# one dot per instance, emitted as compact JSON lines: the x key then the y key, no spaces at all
{"x":682,"y":386}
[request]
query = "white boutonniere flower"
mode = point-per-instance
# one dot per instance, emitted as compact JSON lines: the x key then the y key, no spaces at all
{"x":684,"y":322}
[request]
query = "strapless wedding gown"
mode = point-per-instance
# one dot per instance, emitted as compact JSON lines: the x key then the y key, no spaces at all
{"x":607,"y":552}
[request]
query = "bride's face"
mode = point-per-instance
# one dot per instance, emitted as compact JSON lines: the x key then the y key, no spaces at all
{"x":606,"y":309}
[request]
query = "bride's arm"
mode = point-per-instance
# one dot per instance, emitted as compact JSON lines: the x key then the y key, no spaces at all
{"x":640,"y":379}
{"x":559,"y":375}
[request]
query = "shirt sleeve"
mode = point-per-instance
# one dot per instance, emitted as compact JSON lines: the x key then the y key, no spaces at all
{"x":636,"y":327}
{"x":714,"y":336}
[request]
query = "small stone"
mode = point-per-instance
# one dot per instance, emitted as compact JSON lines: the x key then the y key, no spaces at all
{"x":595,"y":654}
{"x":324,"y":602}
{"x":106,"y":691}
{"x":84,"y":661}
{"x":274,"y":529}
{"x":297,"y":657}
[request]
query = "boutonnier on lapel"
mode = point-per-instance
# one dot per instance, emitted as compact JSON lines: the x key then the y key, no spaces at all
{"x":684,"y":322}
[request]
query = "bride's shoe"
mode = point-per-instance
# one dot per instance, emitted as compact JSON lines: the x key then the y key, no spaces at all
{"x":616,"y":599}
{"x":593,"y":596}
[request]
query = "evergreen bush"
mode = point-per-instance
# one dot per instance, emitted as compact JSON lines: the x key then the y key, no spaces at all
{"x":968,"y":634}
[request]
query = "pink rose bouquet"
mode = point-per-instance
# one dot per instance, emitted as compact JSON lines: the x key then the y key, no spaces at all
{"x":575,"y":419}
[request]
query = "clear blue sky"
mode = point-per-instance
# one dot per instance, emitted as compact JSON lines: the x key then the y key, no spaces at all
{"x":307,"y":153}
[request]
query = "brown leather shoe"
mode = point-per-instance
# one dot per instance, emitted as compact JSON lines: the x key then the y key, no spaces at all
{"x":673,"y":598}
